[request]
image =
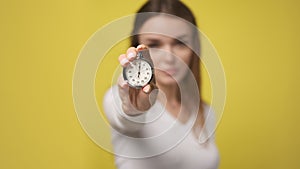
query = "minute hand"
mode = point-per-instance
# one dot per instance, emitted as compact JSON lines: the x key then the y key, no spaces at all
{"x":139,"y":72}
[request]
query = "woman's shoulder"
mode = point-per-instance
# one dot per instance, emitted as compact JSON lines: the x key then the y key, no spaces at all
{"x":210,"y":120}
{"x":207,"y":109}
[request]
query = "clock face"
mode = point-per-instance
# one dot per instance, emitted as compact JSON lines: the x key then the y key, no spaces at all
{"x":138,"y":73}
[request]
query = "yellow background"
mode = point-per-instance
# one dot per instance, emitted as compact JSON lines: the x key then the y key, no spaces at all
{"x":257,"y":41}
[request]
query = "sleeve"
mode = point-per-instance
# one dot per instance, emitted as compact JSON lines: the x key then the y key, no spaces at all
{"x":121,"y":122}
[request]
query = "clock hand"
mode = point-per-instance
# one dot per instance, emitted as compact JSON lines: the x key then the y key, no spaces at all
{"x":139,"y":70}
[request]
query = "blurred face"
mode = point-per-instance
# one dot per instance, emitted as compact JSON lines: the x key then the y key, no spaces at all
{"x":167,"y":38}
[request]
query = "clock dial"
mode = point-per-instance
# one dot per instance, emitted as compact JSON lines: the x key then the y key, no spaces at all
{"x":138,"y":73}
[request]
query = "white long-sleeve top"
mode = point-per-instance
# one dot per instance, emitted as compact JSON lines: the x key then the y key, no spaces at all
{"x":157,"y":140}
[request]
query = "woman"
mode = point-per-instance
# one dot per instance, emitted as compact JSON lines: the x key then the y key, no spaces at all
{"x":162,"y":125}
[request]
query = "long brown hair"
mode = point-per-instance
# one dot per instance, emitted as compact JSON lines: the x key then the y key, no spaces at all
{"x":177,"y":8}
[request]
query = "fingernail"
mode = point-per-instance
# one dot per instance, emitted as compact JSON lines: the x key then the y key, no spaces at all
{"x":124,"y":61}
{"x":140,"y":47}
{"x":130,"y":55}
{"x":147,"y":88}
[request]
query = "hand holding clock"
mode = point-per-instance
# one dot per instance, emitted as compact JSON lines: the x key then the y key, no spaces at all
{"x":137,"y":87}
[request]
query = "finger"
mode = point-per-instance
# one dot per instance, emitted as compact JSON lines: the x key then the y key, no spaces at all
{"x":123,"y":92}
{"x":128,"y":97}
{"x":127,"y":107}
{"x":149,"y":88}
{"x":123,"y":85}
{"x":153,"y":95}
{"x":144,"y":101}
{"x":131,"y":53}
{"x":123,"y":60}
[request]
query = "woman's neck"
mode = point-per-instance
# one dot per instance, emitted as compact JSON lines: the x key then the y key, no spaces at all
{"x":169,"y":92}
{"x":168,"y":95}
